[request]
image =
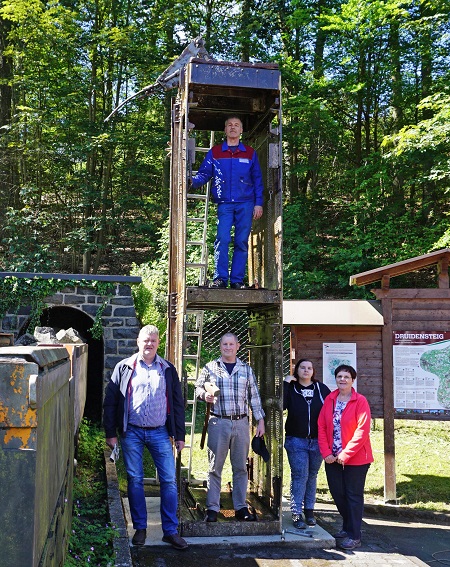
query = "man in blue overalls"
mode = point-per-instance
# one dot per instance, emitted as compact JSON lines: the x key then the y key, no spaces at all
{"x":237,"y":188}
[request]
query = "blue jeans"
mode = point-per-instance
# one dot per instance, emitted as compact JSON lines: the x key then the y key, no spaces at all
{"x":304,"y":460}
{"x":158,"y":443}
{"x":239,"y":215}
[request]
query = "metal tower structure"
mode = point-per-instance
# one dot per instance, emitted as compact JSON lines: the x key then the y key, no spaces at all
{"x":208,"y":92}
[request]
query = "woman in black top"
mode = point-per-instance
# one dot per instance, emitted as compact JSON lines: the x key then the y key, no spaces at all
{"x":303,"y":399}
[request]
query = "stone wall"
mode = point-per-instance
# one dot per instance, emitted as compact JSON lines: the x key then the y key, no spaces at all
{"x":120,"y":325}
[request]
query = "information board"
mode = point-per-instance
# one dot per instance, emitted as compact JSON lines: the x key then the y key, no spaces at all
{"x":421,"y":361}
{"x":333,"y":355}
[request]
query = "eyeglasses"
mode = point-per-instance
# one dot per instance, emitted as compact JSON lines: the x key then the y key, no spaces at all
{"x":343,"y":377}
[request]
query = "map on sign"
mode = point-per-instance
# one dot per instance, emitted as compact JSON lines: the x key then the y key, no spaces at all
{"x":421,"y":372}
{"x":333,"y":355}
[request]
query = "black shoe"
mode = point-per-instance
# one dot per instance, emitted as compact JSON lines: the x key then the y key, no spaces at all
{"x":175,"y":541}
{"x":211,"y":516}
{"x":309,"y":517}
{"x":238,"y":285}
{"x":218,"y":283}
{"x":244,"y":515}
{"x":299,"y":525}
{"x":139,"y":537}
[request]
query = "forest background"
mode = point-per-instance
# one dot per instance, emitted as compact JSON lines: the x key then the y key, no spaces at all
{"x":366,"y":131}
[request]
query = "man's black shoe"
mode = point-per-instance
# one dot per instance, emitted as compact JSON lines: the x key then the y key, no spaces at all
{"x":244,"y":515}
{"x":139,"y":537}
{"x":309,"y":517}
{"x":299,"y":524}
{"x":211,"y":516}
{"x":218,"y":283}
{"x":238,"y":285}
{"x":175,"y":541}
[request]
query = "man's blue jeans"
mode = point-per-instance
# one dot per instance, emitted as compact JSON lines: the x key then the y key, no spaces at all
{"x":158,"y":443}
{"x":304,"y":460}
{"x":239,"y":215}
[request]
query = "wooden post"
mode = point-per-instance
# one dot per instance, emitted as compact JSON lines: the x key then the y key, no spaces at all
{"x":390,"y":489}
{"x":385,"y":281}
{"x":443,"y":279}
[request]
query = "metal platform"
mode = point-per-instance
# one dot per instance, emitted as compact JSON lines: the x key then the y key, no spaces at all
{"x":193,"y":511}
{"x":237,"y":299}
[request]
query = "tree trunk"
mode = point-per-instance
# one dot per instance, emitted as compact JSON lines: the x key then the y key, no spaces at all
{"x":5,"y":75}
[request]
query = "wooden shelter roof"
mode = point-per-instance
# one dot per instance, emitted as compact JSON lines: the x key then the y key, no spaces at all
{"x":341,"y":312}
{"x":440,"y":257}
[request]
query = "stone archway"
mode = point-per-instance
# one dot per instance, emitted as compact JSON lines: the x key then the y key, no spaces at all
{"x":77,"y":307}
{"x":63,"y":317}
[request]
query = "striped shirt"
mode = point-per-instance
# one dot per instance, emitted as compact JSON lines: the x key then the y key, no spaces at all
{"x":148,"y":400}
{"x":237,"y":390}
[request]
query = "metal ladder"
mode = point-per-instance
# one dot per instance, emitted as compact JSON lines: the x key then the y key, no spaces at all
{"x":196,"y":269}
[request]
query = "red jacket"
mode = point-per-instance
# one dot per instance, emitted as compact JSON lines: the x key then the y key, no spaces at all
{"x":355,"y":429}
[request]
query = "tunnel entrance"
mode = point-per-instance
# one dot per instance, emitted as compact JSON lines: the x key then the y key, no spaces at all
{"x":77,"y":306}
{"x":65,"y":317}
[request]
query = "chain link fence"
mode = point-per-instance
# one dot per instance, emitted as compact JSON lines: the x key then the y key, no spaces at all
{"x":217,"y":323}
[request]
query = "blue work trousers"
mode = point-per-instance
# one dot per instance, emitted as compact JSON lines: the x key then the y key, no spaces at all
{"x":158,"y":443}
{"x":304,"y":461}
{"x":346,"y":485}
{"x":239,"y":215}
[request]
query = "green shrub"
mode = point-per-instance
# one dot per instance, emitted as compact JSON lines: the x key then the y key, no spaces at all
{"x":91,"y":540}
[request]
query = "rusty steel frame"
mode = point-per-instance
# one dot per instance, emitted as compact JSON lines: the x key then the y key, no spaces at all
{"x":208,"y":92}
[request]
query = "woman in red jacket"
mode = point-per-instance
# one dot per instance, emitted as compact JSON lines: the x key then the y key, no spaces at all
{"x":344,"y":442}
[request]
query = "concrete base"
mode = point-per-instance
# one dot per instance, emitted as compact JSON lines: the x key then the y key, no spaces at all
{"x":315,"y":537}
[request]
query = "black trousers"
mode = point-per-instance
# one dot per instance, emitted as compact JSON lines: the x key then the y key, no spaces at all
{"x":346,"y":485}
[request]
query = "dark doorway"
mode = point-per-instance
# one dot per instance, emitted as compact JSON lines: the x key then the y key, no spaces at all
{"x":65,"y":317}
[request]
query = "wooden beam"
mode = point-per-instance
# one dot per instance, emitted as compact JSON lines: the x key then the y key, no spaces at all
{"x":385,"y":280}
{"x":399,"y":268}
{"x":423,"y":293}
{"x":390,"y":489}
{"x":443,"y":280}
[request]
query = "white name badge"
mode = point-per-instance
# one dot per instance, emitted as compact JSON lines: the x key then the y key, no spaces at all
{"x":244,"y":160}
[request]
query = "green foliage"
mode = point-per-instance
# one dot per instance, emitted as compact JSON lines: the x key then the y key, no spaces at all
{"x":150,"y":297}
{"x":31,"y":292}
{"x":365,"y":133}
{"x":92,"y":536}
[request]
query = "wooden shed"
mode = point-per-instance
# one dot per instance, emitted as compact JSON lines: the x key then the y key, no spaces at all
{"x":316,"y":324}
{"x":418,"y":322}
{"x":402,"y":345}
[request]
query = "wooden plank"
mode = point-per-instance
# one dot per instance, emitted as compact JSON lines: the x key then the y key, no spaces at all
{"x":390,"y":491}
{"x":308,"y":341}
{"x":431,"y":293}
{"x":372,"y":341}
{"x":403,"y":267}
{"x":310,"y":347}
{"x":418,"y":325}
{"x":418,"y":315}
{"x":421,"y":304}
{"x":443,"y":280}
